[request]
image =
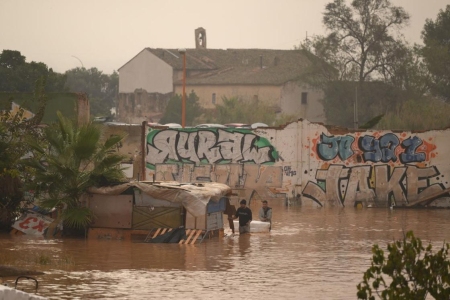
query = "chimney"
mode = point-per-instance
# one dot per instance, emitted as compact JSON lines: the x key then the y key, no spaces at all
{"x":200,"y":38}
{"x":260,"y":61}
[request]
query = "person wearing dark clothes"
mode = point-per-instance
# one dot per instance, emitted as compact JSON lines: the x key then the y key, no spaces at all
{"x":245,"y":217}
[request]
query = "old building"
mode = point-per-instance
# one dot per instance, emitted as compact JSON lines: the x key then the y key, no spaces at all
{"x":148,"y":80}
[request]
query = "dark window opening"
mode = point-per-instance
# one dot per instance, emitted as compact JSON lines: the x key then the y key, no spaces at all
{"x":304,"y":98}
{"x":214,"y":98}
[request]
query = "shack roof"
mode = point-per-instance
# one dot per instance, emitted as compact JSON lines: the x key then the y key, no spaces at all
{"x":193,"y":196}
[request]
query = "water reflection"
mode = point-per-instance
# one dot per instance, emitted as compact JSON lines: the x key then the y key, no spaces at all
{"x":310,"y":254}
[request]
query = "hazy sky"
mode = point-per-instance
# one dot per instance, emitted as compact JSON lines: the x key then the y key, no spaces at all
{"x":107,"y":33}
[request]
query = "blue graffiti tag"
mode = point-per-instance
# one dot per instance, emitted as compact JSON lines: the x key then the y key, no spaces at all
{"x":374,"y":149}
{"x":410,"y":155}
{"x":331,"y":146}
{"x":388,"y":143}
{"x":379,"y":150}
{"x":371,"y":148}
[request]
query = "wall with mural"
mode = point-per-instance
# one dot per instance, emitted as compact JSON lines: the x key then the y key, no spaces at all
{"x":306,"y":163}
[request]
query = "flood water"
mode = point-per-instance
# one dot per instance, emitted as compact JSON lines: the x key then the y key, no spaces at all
{"x":310,"y":254}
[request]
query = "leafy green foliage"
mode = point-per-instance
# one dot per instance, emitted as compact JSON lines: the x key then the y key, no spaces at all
{"x":101,"y":88}
{"x":410,"y":271}
{"x":436,"y":37}
{"x":16,"y":75}
{"x":75,"y":159}
{"x":234,"y":110}
{"x":362,"y":35}
{"x":14,"y":130}
{"x":173,"y":110}
{"x":418,"y":114}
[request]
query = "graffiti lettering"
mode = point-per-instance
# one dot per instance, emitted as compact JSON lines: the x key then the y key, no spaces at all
{"x":330,"y":146}
{"x":288,"y":171}
{"x":207,"y":147}
{"x":410,"y":155}
{"x":374,"y":149}
{"x":339,"y":185}
{"x":379,"y":150}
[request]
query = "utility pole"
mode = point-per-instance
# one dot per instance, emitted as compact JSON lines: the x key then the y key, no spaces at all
{"x":183,"y":105}
{"x":355,"y":109}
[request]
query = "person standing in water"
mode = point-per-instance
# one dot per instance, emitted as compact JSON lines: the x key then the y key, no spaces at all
{"x":265,"y":213}
{"x":245,"y":217}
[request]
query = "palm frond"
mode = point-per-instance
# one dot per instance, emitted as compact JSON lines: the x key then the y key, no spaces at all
{"x":35,"y":146}
{"x":109,"y":161}
{"x":32,"y":163}
{"x":87,"y":142}
{"x":113,"y":141}
{"x":65,"y":127}
{"x":78,"y":217}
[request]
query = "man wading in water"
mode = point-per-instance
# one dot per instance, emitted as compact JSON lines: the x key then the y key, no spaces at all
{"x":265,"y":214}
{"x":245,"y":217}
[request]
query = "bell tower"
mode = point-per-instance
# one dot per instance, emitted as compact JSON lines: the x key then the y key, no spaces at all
{"x":200,"y":38}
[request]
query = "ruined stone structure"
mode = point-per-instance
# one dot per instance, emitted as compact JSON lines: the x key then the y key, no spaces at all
{"x":133,"y":108}
{"x":268,"y":76}
{"x":306,"y":163}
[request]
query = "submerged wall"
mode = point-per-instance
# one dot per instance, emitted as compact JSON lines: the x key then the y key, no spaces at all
{"x":306,"y":163}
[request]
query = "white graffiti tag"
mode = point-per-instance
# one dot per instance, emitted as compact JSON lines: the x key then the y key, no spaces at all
{"x":207,"y":147}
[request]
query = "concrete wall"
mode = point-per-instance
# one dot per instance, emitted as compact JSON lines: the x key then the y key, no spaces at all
{"x":148,"y":72}
{"x":306,"y":163}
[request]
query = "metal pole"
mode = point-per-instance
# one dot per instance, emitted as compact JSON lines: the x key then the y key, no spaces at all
{"x":183,"y":109}
{"x":356,"y":108}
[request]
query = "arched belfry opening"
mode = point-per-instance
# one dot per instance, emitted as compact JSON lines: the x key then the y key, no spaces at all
{"x":200,"y":38}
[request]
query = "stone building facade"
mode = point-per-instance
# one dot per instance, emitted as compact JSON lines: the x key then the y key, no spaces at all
{"x":269,"y":76}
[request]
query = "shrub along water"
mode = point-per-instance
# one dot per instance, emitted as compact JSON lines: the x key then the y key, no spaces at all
{"x":410,"y":271}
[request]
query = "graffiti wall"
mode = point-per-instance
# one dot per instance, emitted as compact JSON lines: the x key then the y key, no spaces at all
{"x":376,"y":168}
{"x":242,"y":159}
{"x":306,"y":163}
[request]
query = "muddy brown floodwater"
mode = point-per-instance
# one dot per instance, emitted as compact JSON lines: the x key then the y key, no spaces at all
{"x":310,"y":254}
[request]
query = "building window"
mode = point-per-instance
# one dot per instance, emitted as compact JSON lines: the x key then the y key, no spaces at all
{"x":214,"y":98}
{"x":304,"y":98}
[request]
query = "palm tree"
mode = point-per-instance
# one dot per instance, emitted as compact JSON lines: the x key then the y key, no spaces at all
{"x":74,"y":160}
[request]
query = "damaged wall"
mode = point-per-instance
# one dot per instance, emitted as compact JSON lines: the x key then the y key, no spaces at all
{"x":306,"y":163}
{"x":134,"y":108}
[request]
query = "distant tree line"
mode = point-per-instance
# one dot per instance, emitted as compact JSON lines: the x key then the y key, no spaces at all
{"x":17,"y":75}
{"x":364,"y":56}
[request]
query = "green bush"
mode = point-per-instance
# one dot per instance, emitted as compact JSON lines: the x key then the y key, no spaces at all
{"x":410,"y":271}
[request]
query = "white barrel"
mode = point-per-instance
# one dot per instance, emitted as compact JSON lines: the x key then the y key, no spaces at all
{"x":255,"y":226}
